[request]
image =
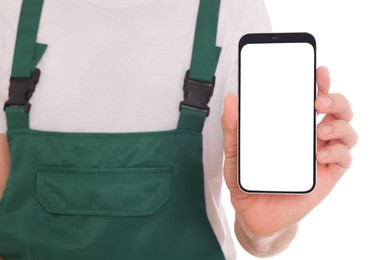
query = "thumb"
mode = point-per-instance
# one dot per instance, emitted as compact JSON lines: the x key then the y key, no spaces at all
{"x":229,"y":125}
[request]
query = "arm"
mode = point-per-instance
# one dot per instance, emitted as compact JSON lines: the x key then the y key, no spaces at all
{"x":267,"y":223}
{"x":263,"y":246}
{"x":4,"y":163}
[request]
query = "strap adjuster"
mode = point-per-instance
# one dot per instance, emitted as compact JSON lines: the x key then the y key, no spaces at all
{"x":21,"y":90}
{"x":197,"y":94}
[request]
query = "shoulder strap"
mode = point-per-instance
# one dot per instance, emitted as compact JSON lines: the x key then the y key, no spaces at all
{"x":27,"y":54}
{"x":27,"y":51}
{"x":199,"y":81}
{"x":205,"y":53}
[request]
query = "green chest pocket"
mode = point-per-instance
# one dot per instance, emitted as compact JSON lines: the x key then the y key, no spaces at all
{"x":99,"y":209}
{"x":103,"y":192}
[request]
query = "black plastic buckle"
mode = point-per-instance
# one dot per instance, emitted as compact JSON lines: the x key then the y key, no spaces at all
{"x":197,"y":94}
{"x":21,"y":90}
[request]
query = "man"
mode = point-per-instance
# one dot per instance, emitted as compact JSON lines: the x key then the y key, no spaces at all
{"x":89,"y":45}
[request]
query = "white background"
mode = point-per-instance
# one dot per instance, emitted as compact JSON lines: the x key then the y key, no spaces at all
{"x":353,"y":40}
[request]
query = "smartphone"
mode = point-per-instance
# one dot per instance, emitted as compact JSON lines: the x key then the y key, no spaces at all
{"x":277,"y":118}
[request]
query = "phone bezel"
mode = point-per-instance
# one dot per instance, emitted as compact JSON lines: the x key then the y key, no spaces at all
{"x":256,"y":38}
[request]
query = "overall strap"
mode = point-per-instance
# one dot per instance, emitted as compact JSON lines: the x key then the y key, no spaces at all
{"x":199,"y":80}
{"x":25,"y":75}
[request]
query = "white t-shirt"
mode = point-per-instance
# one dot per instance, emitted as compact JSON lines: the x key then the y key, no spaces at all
{"x":119,"y":65}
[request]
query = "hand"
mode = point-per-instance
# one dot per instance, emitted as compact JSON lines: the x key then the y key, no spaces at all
{"x":266,"y":214}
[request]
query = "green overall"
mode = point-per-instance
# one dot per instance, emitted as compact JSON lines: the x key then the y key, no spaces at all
{"x":108,"y":195}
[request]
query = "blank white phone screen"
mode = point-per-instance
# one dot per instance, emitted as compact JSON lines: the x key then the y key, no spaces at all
{"x":277,"y":118}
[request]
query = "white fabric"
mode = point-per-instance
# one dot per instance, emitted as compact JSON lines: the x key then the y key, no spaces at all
{"x":118,"y":66}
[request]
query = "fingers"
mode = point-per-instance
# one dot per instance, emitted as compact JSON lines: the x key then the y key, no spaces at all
{"x":336,"y":105}
{"x":229,"y":125}
{"x":323,"y":80}
{"x":335,"y":154}
{"x":338,"y":130}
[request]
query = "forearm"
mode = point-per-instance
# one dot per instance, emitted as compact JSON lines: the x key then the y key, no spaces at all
{"x":4,"y":163}
{"x":263,"y":246}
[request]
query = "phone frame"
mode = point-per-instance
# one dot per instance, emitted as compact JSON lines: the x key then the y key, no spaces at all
{"x":255,"y":38}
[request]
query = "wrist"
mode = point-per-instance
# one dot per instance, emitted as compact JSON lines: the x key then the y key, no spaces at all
{"x":263,"y":245}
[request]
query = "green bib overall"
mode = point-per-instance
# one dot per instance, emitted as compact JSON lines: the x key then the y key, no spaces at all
{"x":108,"y":195}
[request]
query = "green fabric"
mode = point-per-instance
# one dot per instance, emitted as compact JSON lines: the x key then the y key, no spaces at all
{"x":191,"y":119}
{"x":17,"y":118}
{"x":105,"y":196}
{"x":205,"y":54}
{"x":27,"y":52}
{"x":39,"y":51}
{"x":69,"y":191}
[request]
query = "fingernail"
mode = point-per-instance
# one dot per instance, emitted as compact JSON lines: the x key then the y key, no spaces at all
{"x":326,"y":129}
{"x":322,"y":154}
{"x":325,"y":101}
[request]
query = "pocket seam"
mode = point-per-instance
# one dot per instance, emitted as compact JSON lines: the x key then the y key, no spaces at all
{"x":47,"y":172}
